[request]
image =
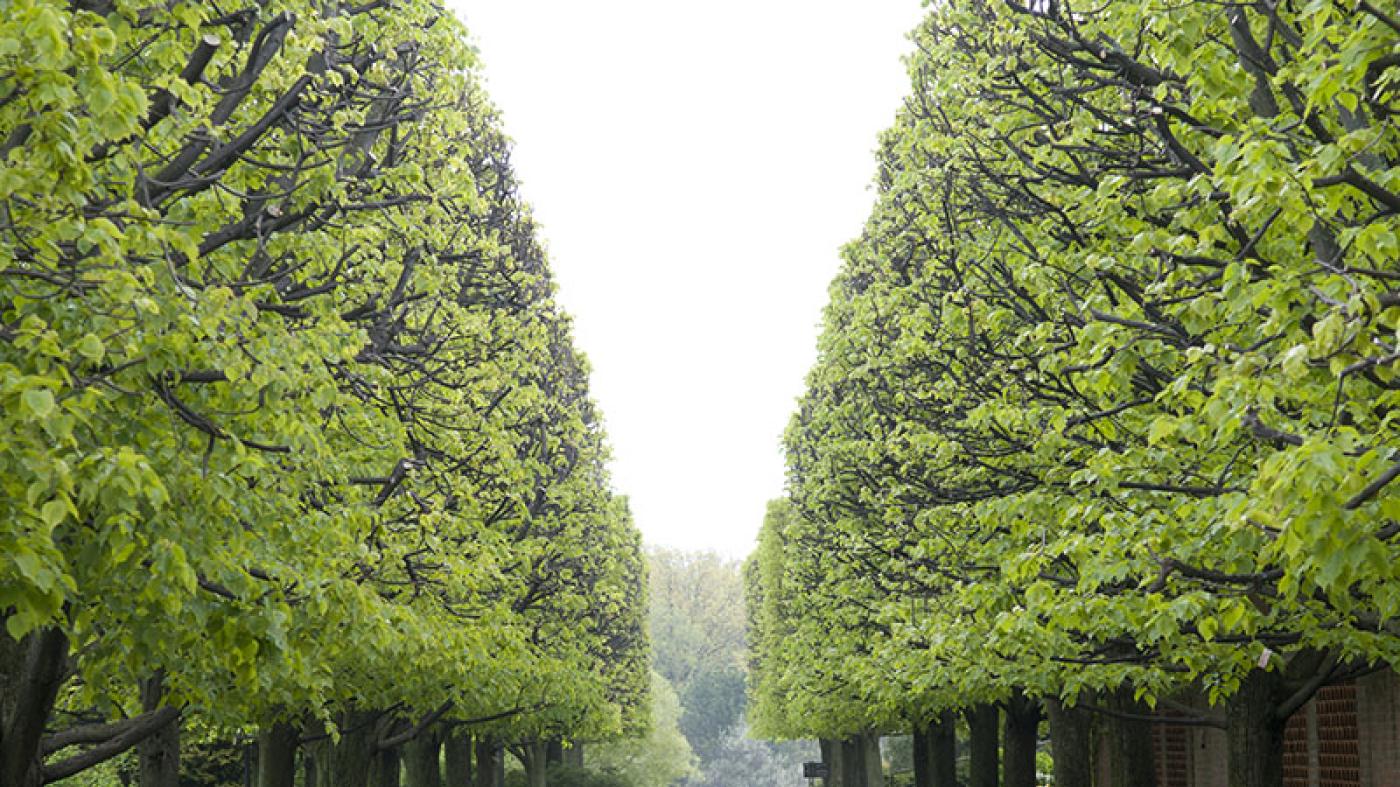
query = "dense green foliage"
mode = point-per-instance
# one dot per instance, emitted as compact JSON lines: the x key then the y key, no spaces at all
{"x":294,"y":426}
{"x":1106,"y":389}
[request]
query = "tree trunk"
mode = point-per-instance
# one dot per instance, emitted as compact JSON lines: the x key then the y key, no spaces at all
{"x":852,"y":762}
{"x":936,"y":752}
{"x":574,"y":755}
{"x":347,"y":763}
{"x":923,"y":754}
{"x":457,"y":751}
{"x":874,"y":772}
{"x":31,"y":672}
{"x":421,"y":760}
{"x":983,"y":744}
{"x":309,"y":758}
{"x":160,"y":757}
{"x":1071,"y":741}
{"x":943,"y":750}
{"x":250,"y":759}
{"x":159,"y":753}
{"x":277,"y":755}
{"x":536,"y":762}
{"x":1255,"y":731}
{"x":1131,"y":760}
{"x":831,"y":758}
{"x":386,"y":768}
{"x":1022,"y":737}
{"x":488,"y":763}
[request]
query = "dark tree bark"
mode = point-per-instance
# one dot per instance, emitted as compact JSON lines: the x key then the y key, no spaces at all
{"x":159,"y":753}
{"x":31,"y":672}
{"x":250,"y":764}
{"x":457,"y":750}
{"x":421,"y":760}
{"x":1071,"y":741}
{"x":984,"y":732}
{"x":1131,"y":760}
{"x":277,"y":755}
{"x":489,"y":762}
{"x":347,"y":763}
{"x":111,"y":739}
{"x":852,"y":762}
{"x":831,"y":757}
{"x":310,"y":756}
{"x":936,"y":752}
{"x":387,"y":768}
{"x":923,"y":755}
{"x":874,"y":765}
{"x":536,"y":761}
{"x":943,"y":750}
{"x":1022,"y":733}
{"x":1255,"y":731}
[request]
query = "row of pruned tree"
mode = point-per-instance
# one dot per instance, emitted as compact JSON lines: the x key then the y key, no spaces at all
{"x":1102,"y":422}
{"x":297,"y":442}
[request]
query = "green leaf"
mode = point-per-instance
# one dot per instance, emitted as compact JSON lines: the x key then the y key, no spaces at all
{"x":91,"y":348}
{"x":53,"y":512}
{"x":1208,"y":626}
{"x":38,"y":401}
{"x":27,"y":562}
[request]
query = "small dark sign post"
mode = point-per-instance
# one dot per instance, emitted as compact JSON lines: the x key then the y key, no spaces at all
{"x":815,"y":770}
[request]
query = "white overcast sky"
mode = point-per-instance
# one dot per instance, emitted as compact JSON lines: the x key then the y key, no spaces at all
{"x":696,"y":167}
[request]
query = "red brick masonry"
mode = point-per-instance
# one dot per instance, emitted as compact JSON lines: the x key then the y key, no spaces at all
{"x":1347,"y":736}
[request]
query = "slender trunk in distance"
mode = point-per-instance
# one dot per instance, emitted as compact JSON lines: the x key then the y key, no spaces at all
{"x":574,"y":755}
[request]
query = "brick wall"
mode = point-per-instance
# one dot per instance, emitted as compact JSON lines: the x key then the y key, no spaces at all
{"x":1300,"y":750}
{"x":1347,"y":736}
{"x":1171,"y":748}
{"x":1321,"y":745}
{"x":1337,"y":737}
